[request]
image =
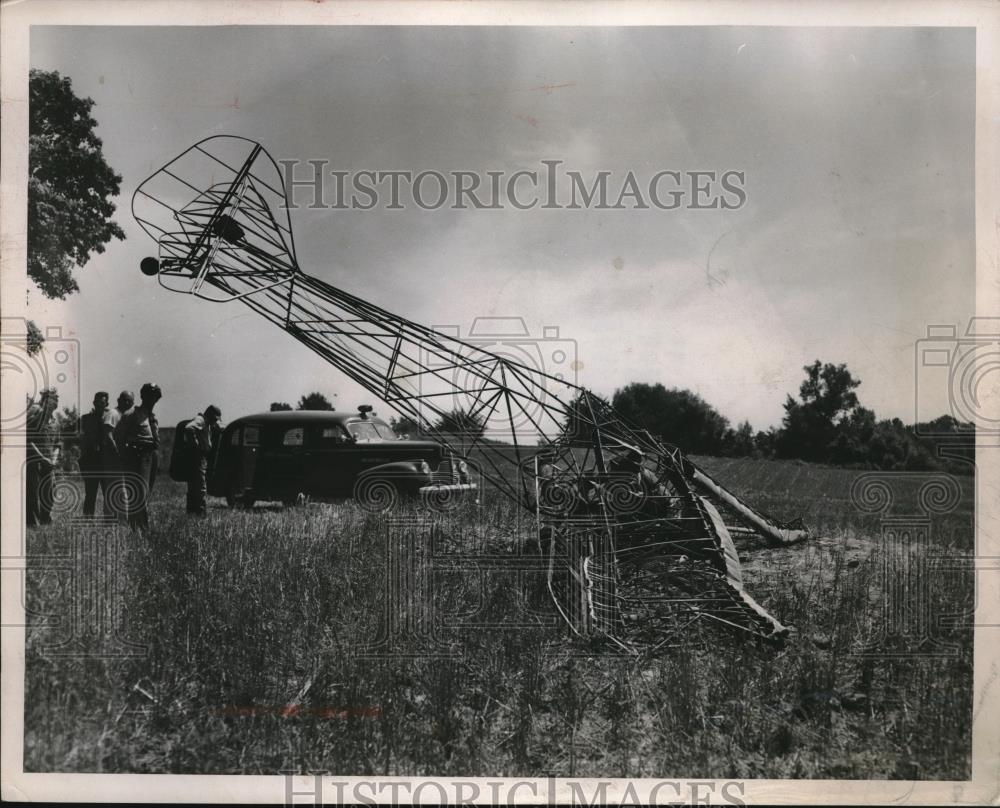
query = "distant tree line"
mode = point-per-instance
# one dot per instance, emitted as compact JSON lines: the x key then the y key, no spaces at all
{"x":825,"y":424}
{"x":455,"y":422}
{"x":310,"y":401}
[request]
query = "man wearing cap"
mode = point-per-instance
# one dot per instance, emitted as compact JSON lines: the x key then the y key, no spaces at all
{"x":201,"y":436}
{"x":93,"y":444}
{"x":137,"y":437}
{"x":42,"y":454}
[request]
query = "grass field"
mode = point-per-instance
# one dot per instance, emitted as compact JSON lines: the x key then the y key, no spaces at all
{"x":276,"y":640}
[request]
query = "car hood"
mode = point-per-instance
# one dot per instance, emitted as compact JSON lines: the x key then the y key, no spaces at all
{"x":417,"y":448}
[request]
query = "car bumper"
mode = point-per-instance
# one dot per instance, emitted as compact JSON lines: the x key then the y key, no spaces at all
{"x":464,"y":489}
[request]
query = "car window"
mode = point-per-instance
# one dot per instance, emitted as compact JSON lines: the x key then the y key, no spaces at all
{"x":292,"y":437}
{"x":234,"y":437}
{"x":371,"y":430}
{"x":363,"y":430}
{"x":384,"y":430}
{"x":328,"y":436}
{"x":251,"y":436}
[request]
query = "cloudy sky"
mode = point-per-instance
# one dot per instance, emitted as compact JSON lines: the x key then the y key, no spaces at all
{"x":857,"y":232}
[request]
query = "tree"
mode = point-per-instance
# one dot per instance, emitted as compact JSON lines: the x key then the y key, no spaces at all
{"x":853,"y":442}
{"x":281,"y":406}
{"x":459,"y":422}
{"x":810,"y":425}
{"x":679,"y":417}
{"x":34,"y":338}
{"x":70,"y":186}
{"x":740,"y":442}
{"x":829,"y":389}
{"x":765,"y":442}
{"x":314,"y":401}
{"x":404,"y":426}
{"x":580,"y":416}
{"x":938,"y":438}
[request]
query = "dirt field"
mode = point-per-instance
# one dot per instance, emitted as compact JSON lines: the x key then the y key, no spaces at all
{"x":285,"y":640}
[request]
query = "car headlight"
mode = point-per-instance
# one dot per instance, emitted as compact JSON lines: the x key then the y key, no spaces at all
{"x":424,"y":467}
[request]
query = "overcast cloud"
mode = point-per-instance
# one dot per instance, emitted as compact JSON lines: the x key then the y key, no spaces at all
{"x":856,"y":143}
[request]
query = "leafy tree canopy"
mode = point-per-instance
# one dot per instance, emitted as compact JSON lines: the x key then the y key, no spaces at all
{"x":34,"y":338}
{"x":459,"y":422}
{"x":828,"y":390}
{"x":70,"y":186}
{"x":280,"y":406}
{"x":827,"y":398}
{"x":404,"y":426}
{"x":679,"y":417}
{"x":314,"y":401}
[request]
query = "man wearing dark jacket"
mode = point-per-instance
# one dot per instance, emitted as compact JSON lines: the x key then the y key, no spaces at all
{"x":93,"y":445}
{"x":116,"y":498}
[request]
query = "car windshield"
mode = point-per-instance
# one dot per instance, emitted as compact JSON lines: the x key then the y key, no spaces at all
{"x":370,"y":430}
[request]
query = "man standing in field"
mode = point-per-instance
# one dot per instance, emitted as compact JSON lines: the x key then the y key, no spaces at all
{"x":115,"y":500}
{"x":137,"y":437}
{"x":200,"y":436}
{"x":93,"y":445}
{"x":42,"y":455}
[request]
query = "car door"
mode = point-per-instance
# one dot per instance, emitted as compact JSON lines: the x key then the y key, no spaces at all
{"x":329,"y":460}
{"x":236,"y":460}
{"x":365,"y":450}
{"x":225,"y":465}
{"x":248,"y":454}
{"x":284,"y":469}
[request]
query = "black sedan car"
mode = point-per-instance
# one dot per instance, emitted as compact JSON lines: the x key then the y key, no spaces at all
{"x":318,"y":455}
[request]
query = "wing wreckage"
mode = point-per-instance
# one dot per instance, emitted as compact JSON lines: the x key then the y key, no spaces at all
{"x":637,"y":549}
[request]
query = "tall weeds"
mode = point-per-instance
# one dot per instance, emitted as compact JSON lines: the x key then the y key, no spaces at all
{"x":276,"y":640}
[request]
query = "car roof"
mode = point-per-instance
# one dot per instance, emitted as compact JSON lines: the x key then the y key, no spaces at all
{"x":292,"y":417}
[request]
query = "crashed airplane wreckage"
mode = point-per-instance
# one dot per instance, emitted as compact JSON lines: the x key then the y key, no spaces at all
{"x":637,"y":552}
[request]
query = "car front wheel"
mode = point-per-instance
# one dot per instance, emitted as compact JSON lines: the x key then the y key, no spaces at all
{"x":376,"y":494}
{"x":242,"y":500}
